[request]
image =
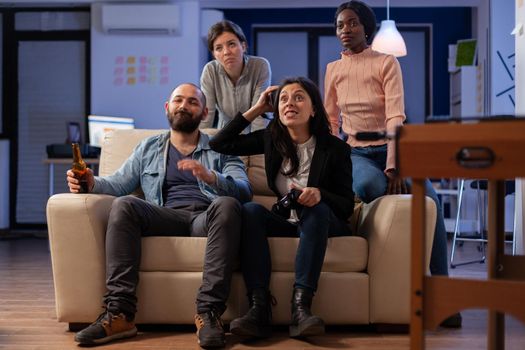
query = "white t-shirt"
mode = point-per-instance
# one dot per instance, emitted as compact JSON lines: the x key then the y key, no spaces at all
{"x":284,"y":183}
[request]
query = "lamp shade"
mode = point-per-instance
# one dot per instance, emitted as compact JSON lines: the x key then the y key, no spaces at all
{"x":388,"y":40}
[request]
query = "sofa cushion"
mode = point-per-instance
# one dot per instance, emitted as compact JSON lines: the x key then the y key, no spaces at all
{"x":343,"y":254}
{"x":257,"y":176}
{"x":117,"y":147}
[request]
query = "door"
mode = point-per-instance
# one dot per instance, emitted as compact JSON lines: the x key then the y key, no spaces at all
{"x":48,"y":85}
{"x":51,"y":78}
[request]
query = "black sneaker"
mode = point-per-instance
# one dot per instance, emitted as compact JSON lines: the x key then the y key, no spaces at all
{"x":453,"y":321}
{"x":210,"y":332}
{"x":106,"y":328}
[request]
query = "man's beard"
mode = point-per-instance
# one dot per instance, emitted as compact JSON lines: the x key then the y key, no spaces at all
{"x":183,"y":121}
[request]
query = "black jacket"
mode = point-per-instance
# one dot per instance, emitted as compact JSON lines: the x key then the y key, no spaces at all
{"x":330,"y":171}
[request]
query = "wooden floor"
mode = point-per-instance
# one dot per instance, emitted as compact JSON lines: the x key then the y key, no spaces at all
{"x":28,"y":321}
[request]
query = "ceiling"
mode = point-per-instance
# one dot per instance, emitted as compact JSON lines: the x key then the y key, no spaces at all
{"x":230,"y":4}
{"x":334,"y":3}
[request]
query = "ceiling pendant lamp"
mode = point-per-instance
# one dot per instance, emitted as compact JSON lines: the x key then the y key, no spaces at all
{"x":388,"y":40}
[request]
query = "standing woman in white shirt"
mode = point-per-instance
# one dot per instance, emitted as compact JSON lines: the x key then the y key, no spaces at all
{"x":233,"y":81}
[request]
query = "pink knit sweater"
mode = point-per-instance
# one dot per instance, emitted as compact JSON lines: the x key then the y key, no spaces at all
{"x":366,"y":90}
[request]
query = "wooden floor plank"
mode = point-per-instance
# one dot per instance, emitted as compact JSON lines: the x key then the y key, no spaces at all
{"x":28,"y":320}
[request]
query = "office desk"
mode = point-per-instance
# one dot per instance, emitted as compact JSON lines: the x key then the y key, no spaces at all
{"x":493,"y":150}
{"x":51,"y":168}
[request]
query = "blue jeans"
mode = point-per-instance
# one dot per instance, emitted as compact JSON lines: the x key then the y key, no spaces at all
{"x":316,"y":224}
{"x":370,"y":182}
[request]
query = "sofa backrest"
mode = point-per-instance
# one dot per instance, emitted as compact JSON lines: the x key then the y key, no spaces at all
{"x":118,"y":145}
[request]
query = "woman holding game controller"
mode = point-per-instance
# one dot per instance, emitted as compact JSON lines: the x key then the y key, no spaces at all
{"x":311,"y":172}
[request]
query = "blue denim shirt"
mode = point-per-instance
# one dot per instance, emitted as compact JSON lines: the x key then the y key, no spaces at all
{"x":146,"y":168}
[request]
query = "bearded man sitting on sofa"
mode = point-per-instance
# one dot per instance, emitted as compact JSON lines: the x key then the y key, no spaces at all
{"x":189,"y":190}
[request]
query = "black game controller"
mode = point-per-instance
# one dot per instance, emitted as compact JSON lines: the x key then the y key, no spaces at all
{"x":289,"y":201}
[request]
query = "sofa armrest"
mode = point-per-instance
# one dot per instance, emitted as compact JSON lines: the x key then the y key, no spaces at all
{"x":386,"y":224}
{"x":77,"y":230}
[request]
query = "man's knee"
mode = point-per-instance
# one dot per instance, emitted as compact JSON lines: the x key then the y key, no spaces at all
{"x":124,"y":206}
{"x":226,"y":212}
{"x":226,"y":205}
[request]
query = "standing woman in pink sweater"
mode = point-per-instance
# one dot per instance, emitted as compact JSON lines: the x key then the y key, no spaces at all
{"x":364,"y":92}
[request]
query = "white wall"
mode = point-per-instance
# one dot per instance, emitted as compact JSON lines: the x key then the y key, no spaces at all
{"x":161,"y":63}
{"x":520,"y":111}
{"x":495,"y":50}
{"x":480,"y":31}
{"x":502,"y":93}
{"x":208,"y":18}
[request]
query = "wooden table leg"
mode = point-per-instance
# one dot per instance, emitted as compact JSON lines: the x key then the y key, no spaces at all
{"x":496,"y":247}
{"x":417,"y":336}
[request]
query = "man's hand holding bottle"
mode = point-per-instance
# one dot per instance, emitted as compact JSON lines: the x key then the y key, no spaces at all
{"x":74,"y":183}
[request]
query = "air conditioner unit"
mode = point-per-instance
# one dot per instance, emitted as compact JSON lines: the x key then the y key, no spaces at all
{"x":140,"y":19}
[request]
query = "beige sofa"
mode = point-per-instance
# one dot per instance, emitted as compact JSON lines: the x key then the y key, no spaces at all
{"x":365,"y":278}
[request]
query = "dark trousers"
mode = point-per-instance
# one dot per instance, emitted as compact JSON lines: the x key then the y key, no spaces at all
{"x":132,"y":218}
{"x":315,"y":225}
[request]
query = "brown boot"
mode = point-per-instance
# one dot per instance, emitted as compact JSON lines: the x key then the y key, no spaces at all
{"x":210,"y":331}
{"x":106,"y":328}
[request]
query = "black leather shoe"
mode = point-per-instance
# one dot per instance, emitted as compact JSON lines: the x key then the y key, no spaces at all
{"x":256,"y":323}
{"x":303,"y":322}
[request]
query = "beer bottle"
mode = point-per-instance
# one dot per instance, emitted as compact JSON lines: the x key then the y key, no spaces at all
{"x":79,"y":168}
